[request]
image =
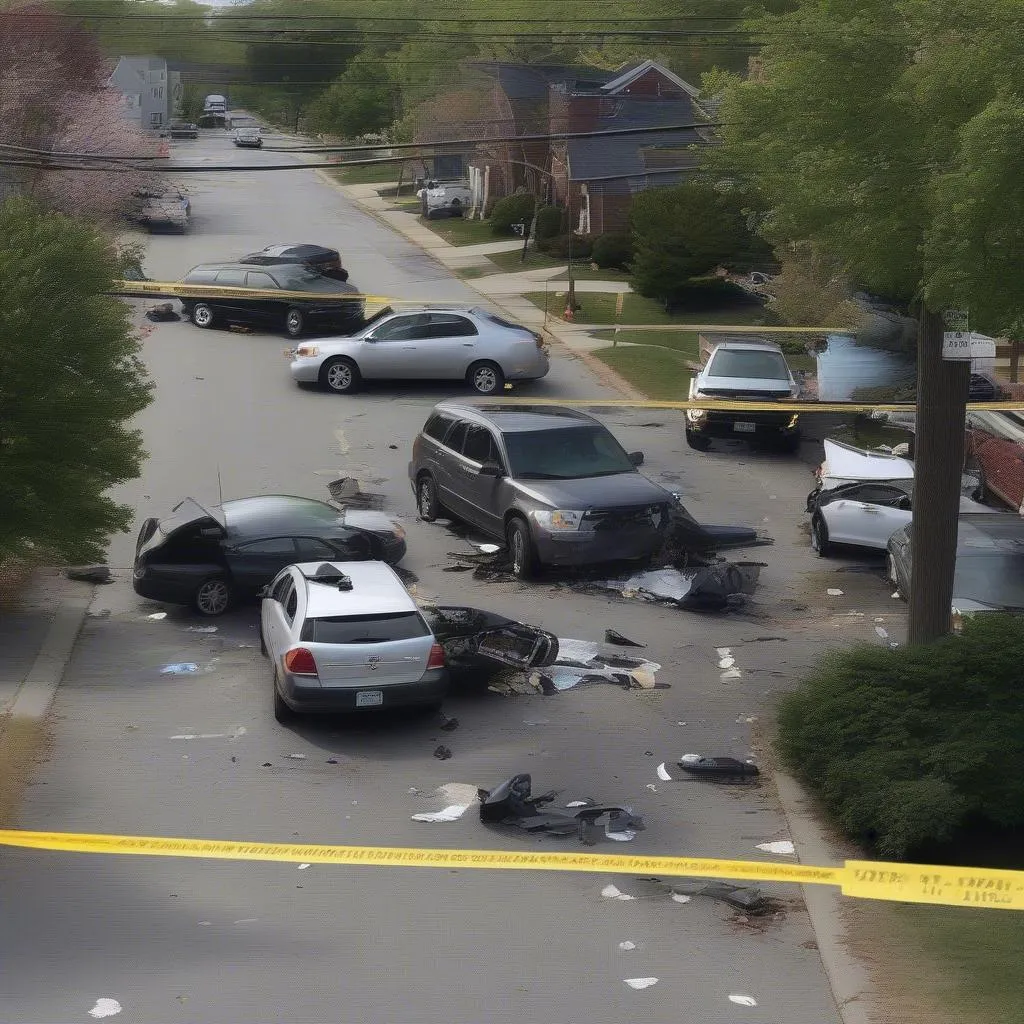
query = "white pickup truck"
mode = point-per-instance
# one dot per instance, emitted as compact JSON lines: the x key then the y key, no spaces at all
{"x":440,"y":198}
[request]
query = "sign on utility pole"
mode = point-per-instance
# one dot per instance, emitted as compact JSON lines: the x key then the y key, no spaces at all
{"x":956,"y":335}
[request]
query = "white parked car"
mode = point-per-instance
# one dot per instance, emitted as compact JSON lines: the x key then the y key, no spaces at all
{"x":445,"y":197}
{"x":343,"y":636}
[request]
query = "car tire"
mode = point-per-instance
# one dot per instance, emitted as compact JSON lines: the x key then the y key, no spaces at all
{"x":294,"y":323}
{"x":819,"y":536}
{"x":340,"y":375}
{"x":282,"y":713}
{"x":203,"y":315}
{"x":894,"y":576}
{"x":791,"y":444}
{"x":213,"y":596}
{"x":522,"y":555}
{"x":486,"y":378}
{"x":428,"y":505}
{"x":698,"y":442}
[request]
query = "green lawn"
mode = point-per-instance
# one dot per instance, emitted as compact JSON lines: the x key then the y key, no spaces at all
{"x":658,"y":373}
{"x":512,"y":262}
{"x":459,"y":231}
{"x":599,"y":308}
{"x":683,"y":342}
{"x":367,"y":174}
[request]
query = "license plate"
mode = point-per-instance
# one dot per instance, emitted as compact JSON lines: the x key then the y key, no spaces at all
{"x":744,"y":428}
{"x":369,"y":698}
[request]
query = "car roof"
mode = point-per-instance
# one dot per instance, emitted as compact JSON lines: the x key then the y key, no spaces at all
{"x":245,"y":267}
{"x":264,"y":514}
{"x":302,"y":250}
{"x":376,"y":588}
{"x":510,"y":419}
{"x":990,"y":533}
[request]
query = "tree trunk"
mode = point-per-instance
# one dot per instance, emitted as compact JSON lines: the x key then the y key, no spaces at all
{"x":942,"y":388}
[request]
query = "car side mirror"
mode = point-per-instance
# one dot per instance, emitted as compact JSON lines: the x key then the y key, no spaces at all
{"x":263,"y":592}
{"x":491,"y":469}
{"x":637,"y":458}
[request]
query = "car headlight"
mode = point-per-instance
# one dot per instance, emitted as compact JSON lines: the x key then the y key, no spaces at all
{"x":306,"y":351}
{"x":559,"y":519}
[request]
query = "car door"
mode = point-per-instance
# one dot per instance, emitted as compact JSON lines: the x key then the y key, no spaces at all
{"x":449,"y":348}
{"x":274,"y":622}
{"x":451,"y":482}
{"x":254,"y":564}
{"x":481,"y":491}
{"x":233,"y":307}
{"x":395,"y":349}
{"x":264,"y":311}
{"x":867,"y":515}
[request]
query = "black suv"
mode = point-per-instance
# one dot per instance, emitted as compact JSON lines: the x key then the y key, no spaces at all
{"x":552,"y":483}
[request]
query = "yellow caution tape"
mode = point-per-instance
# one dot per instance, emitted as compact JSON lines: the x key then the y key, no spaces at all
{"x":720,"y":405}
{"x":910,"y":883}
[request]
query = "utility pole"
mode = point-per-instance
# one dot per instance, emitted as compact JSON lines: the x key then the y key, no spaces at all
{"x":942,"y":391}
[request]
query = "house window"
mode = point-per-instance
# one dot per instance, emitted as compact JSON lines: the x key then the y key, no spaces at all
{"x":156,"y":119}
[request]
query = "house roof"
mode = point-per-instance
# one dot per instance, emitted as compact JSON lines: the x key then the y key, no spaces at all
{"x":532,"y":81}
{"x":628,"y":77}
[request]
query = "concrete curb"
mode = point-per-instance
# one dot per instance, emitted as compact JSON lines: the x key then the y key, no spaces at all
{"x":851,"y":985}
{"x":36,"y":693}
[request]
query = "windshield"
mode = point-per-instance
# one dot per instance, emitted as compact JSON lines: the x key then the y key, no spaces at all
{"x":569,"y":453}
{"x":746,"y":362}
{"x":301,"y":279}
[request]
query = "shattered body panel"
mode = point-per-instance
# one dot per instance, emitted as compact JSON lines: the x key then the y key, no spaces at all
{"x":471,"y":637}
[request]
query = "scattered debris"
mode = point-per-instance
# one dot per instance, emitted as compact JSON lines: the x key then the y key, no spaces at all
{"x":582,"y":661}
{"x":742,"y":1000}
{"x":472,"y":637}
{"x":536,"y":721}
{"x":157,"y":616}
{"x":296,"y":757}
{"x":640,"y":983}
{"x":725,"y":658}
{"x":393,"y":447}
{"x":895,"y":594}
{"x":652,"y":787}
{"x":460,"y":796}
{"x":724,"y":769}
{"x":834,"y":592}
{"x":678,"y":897}
{"x":627,"y":945}
{"x":511,"y":803}
{"x":489,"y":549}
{"x":717,"y":586}
{"x":105,"y":1008}
{"x":748,"y":899}
{"x":332,"y":760}
{"x":663,"y":773}
{"x":612,"y":893}
{"x":442,"y":753}
{"x":578,"y":803}
{"x":164,"y":313}
{"x":90,"y":574}
{"x":183,"y":668}
{"x":612,"y":636}
{"x":302,"y":867}
{"x":448,"y":724}
{"x":458,"y":568}
{"x":200,"y":629}
{"x":781,"y":846}
{"x":882,"y":632}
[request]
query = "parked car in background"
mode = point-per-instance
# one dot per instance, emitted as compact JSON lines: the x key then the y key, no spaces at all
{"x":442,"y":343}
{"x":211,"y":558}
{"x":995,"y":442}
{"x":552,"y":483}
{"x":165,"y":208}
{"x":745,"y":371}
{"x":989,"y":574}
{"x":184,"y":130}
{"x":250,"y":137}
{"x":846,"y":463}
{"x":444,"y":198}
{"x":347,"y":636}
{"x":317,"y":257}
{"x":293,"y":315}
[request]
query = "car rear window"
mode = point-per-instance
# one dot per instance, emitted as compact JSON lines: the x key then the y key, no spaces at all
{"x":364,"y":629}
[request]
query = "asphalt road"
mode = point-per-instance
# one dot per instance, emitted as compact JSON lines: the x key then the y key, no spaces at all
{"x":189,"y":940}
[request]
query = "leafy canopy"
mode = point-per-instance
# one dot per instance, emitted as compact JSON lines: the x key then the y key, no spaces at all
{"x":70,"y":383}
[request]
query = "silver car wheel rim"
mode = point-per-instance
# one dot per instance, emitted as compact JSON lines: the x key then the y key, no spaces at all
{"x":518,"y":554}
{"x":339,"y":376}
{"x":202,"y":316}
{"x":485,"y":380}
{"x":426,"y":504}
{"x":212,"y":598}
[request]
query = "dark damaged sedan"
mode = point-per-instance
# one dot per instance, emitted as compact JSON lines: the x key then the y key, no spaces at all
{"x":552,"y":483}
{"x":212,"y":558}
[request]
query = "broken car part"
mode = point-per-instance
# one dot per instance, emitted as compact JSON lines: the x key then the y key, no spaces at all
{"x":721,"y":768}
{"x":612,"y":636}
{"x":712,"y":586}
{"x":471,"y":636}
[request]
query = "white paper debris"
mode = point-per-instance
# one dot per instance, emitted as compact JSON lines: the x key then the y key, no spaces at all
{"x":834,"y":592}
{"x":489,"y":549}
{"x":725,"y":658}
{"x":157,"y":616}
{"x":200,"y":629}
{"x":652,"y":787}
{"x":612,"y":893}
{"x":576,"y":803}
{"x":663,"y":773}
{"x":895,"y":594}
{"x":882,"y":632}
{"x":450,"y":813}
{"x":730,"y":673}
{"x":742,"y":1000}
{"x":200,"y":736}
{"x":577,"y":650}
{"x":105,"y":1008}
{"x":678,"y":897}
{"x":781,"y":846}
{"x":627,"y":945}
{"x":690,"y":758}
{"x":183,"y":668}
{"x":246,"y":920}
{"x":302,"y":867}
{"x":297,"y":757}
{"x":621,"y":837}
{"x":639,"y":983}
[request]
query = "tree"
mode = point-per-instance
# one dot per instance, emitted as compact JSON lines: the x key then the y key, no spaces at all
{"x":886,"y":133}
{"x":362,"y":100}
{"x":65,"y":434}
{"x":682,"y":232}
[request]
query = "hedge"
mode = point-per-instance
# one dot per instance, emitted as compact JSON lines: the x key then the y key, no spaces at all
{"x":511,"y":210}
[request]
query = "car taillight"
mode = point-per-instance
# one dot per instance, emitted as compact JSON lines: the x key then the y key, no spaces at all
{"x":436,"y":659}
{"x":300,"y":662}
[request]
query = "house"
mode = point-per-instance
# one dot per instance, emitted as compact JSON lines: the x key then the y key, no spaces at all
{"x":596,"y":177}
{"x":152,"y":92}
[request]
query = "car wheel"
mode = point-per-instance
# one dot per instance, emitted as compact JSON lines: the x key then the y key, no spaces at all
{"x":894,"y":576}
{"x":427,"y":503}
{"x":521,"y":551}
{"x":282,"y":713}
{"x":486,"y":378}
{"x":202,"y":315}
{"x":697,"y":442}
{"x":819,"y":536}
{"x":294,"y":323}
{"x":340,"y":376}
{"x":213,"y":597}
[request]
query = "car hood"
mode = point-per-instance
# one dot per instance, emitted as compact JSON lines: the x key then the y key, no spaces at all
{"x":762,"y":385}
{"x":625,"y":489}
{"x":844,"y":463}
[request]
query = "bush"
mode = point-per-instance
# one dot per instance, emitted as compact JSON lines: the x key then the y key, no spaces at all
{"x":613,"y":251}
{"x":551,"y":222}
{"x":558,"y":248}
{"x":511,"y":210}
{"x":910,"y":746}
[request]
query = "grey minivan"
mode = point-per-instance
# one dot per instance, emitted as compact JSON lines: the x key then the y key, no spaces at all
{"x":550,"y":482}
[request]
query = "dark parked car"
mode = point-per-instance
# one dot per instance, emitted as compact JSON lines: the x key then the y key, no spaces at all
{"x":294,"y":315}
{"x":162,"y":208}
{"x":184,"y":130}
{"x":316,"y":257}
{"x":989,"y":573}
{"x":211,"y":558}
{"x":553,"y":483}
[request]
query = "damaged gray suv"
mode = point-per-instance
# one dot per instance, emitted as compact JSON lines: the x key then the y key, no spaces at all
{"x":551,"y":483}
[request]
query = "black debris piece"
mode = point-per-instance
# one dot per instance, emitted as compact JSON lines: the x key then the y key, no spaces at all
{"x":332,"y":760}
{"x":726,"y":769}
{"x":472,"y":637}
{"x":164,"y":313}
{"x":457,"y":568}
{"x":347,"y":492}
{"x":90,"y":573}
{"x":718,"y":586}
{"x":267,"y":764}
{"x":612,"y":636}
{"x":393,"y":447}
{"x":442,"y":753}
{"x":448,"y":724}
{"x":512,"y":803}
{"x":748,"y":899}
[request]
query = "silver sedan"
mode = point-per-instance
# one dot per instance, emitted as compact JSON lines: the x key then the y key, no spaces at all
{"x":472,"y":345}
